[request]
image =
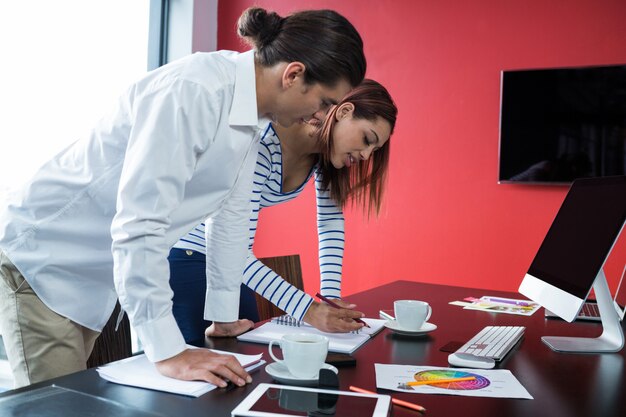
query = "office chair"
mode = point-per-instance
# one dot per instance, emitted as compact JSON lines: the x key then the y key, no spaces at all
{"x":288,"y":267}
{"x":111,"y":345}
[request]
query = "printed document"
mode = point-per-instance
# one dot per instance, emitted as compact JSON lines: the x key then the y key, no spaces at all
{"x":498,"y":383}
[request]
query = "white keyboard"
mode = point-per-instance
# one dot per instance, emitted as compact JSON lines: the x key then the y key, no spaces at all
{"x":590,"y":310}
{"x":493,"y":341}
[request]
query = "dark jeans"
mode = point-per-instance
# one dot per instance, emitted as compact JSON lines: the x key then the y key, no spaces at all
{"x":188,"y":281}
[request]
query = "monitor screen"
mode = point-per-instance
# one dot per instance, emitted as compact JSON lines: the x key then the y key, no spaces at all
{"x":560,"y":124}
{"x":577,"y":244}
{"x":582,"y":235}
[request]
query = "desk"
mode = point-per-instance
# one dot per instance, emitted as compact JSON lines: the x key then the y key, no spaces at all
{"x":563,"y":385}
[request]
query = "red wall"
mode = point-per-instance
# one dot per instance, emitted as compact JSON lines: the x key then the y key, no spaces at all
{"x":446,"y":219}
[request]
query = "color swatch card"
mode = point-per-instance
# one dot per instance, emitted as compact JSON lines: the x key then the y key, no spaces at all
{"x":494,"y":304}
{"x":497,"y":383}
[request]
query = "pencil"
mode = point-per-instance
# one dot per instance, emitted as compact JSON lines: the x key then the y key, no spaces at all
{"x":440,"y":381}
{"x":332,"y":304}
{"x":401,"y":403}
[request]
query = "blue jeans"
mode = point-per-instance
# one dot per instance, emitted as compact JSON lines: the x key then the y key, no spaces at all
{"x":188,"y":281}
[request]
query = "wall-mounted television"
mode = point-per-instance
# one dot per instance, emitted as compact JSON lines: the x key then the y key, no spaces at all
{"x":559,"y":124}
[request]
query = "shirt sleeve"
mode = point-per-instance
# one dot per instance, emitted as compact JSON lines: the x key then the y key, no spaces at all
{"x":171,"y":126}
{"x":330,"y":230}
{"x":226,"y":238}
{"x":259,"y":277}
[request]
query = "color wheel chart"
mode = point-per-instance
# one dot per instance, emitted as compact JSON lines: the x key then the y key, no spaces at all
{"x":438,"y":374}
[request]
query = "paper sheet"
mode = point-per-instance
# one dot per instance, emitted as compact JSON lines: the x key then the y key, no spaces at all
{"x":497,"y":383}
{"x":494,"y":304}
{"x":138,"y":371}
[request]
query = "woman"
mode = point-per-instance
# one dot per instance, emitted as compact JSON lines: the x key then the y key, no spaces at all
{"x":97,"y":221}
{"x":348,"y":156}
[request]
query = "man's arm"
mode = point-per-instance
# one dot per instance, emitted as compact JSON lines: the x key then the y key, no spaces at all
{"x":226,"y":246}
{"x":171,"y":126}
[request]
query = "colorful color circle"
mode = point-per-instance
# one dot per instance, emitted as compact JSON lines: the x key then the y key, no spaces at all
{"x":434,"y":375}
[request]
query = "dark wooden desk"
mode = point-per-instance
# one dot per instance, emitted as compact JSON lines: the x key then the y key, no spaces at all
{"x":563,"y":385}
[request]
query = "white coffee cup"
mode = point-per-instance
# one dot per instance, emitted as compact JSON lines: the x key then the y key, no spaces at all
{"x":411,"y":314}
{"x":304,"y":354}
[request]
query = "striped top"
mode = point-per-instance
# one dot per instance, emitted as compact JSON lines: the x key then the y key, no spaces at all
{"x":267,"y":191}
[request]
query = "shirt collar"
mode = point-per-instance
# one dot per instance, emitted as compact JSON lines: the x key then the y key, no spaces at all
{"x":244,"y":110}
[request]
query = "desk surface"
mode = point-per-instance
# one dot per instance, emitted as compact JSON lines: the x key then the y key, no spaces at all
{"x":563,"y":385}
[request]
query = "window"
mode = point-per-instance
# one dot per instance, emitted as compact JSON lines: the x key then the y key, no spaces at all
{"x":64,"y":63}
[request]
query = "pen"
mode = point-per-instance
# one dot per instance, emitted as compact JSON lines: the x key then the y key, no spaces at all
{"x":440,"y":381}
{"x":386,"y":316}
{"x":332,"y":304}
{"x":393,"y":400}
{"x":505,"y":301}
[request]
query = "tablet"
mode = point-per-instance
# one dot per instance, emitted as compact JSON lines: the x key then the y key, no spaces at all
{"x":272,"y":400}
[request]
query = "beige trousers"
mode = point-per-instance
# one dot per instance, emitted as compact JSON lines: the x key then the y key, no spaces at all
{"x":40,"y":343}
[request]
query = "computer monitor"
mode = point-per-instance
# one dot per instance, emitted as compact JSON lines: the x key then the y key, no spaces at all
{"x":570,"y":259}
{"x":590,"y":312}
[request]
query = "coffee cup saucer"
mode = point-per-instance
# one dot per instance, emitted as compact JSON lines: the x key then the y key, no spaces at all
{"x":280,"y":373}
{"x":394,"y":327}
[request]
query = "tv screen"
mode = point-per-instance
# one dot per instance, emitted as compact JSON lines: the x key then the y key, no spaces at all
{"x":560,"y":124}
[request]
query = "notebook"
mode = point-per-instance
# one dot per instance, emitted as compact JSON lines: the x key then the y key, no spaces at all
{"x":337,"y":342}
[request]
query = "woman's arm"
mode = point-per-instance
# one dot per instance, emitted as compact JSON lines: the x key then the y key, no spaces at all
{"x":275,"y":288}
{"x":257,"y":276}
{"x":330,"y":230}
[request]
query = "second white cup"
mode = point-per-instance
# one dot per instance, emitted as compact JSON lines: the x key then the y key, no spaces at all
{"x":303,"y":354}
{"x":411,"y":314}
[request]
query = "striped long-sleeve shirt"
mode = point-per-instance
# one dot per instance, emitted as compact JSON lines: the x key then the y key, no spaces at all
{"x":267,"y":192}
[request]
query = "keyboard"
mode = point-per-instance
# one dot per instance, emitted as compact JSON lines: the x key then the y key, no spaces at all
{"x":493,"y":341}
{"x":590,"y":312}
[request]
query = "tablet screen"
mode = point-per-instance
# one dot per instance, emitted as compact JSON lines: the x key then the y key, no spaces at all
{"x":290,"y":402}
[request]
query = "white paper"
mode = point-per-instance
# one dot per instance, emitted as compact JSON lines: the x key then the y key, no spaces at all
{"x":337,"y":342}
{"x":138,"y":371}
{"x":497,"y":383}
{"x":504,"y":305}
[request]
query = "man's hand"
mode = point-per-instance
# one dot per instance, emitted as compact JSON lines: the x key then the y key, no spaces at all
{"x":204,"y":365}
{"x":333,"y":320}
{"x":232,"y":329}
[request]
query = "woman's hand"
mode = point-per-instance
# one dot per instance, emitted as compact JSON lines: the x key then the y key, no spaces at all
{"x":333,"y":320}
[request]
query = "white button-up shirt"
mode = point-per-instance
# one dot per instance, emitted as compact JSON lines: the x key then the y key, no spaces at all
{"x":103,"y":214}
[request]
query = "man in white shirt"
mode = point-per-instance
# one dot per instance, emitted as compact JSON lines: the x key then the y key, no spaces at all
{"x":97,"y":221}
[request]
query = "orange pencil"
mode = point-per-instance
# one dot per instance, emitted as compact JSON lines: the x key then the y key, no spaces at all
{"x":393,"y":400}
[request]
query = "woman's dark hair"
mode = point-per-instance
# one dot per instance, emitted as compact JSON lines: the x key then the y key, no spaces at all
{"x":363,"y":183}
{"x":323,"y":40}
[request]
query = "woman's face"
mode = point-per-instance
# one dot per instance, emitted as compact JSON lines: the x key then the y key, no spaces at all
{"x":354,"y":140}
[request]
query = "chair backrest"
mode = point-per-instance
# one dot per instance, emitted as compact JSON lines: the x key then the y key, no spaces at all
{"x":112,"y":345}
{"x":289,"y":268}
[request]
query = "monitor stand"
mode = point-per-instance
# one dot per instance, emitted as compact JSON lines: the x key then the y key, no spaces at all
{"x":612,"y":337}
